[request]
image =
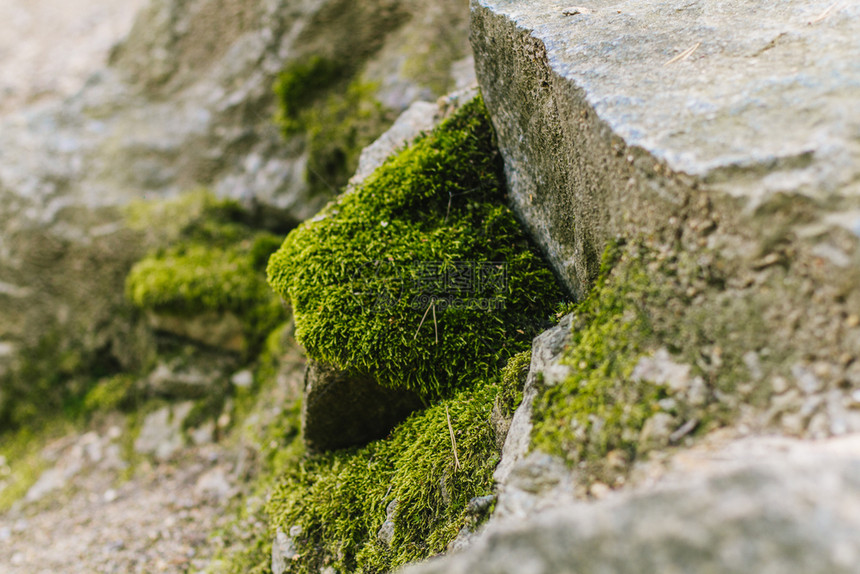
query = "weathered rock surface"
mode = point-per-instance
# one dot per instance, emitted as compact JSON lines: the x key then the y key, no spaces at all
{"x":610,"y":116}
{"x":161,"y":433}
{"x":342,"y":409}
{"x":283,"y":550}
{"x":792,"y":514}
{"x":220,"y":330}
{"x":739,"y":158}
{"x":198,"y":376}
{"x":50,"y":47}
{"x":697,"y":132}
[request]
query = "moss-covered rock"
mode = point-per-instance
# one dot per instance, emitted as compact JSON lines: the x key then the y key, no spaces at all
{"x":641,"y":367}
{"x":208,"y":285}
{"x":598,"y":408}
{"x":339,"y":501}
{"x":338,"y":130}
{"x":421,"y":277}
{"x":300,"y":84}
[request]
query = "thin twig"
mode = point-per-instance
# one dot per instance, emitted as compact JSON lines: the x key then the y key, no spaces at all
{"x":448,"y":212}
{"x":435,"y":325}
{"x":451,"y":197}
{"x":322,"y":179}
{"x":424,"y":317}
{"x":684,"y":55}
{"x":453,"y":440}
{"x":824,"y":14}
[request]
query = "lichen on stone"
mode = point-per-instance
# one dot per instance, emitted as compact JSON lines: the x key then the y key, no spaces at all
{"x":597,"y":408}
{"x":639,"y":318}
{"x":421,"y":277}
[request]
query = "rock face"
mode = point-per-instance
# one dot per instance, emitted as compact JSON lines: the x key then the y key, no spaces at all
{"x":546,"y":354}
{"x":691,"y":131}
{"x":340,"y":409}
{"x":793,"y":517}
{"x":52,"y":46}
{"x":186,"y":100}
{"x":609,"y":117}
{"x":696,"y":137}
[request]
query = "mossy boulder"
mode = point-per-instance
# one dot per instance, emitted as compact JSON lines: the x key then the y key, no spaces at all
{"x":207,"y":284}
{"x":421,"y":278}
{"x":340,"y":507}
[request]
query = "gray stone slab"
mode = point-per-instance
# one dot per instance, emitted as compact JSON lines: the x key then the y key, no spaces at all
{"x":613,"y":116}
{"x":763,"y":505}
{"x":715,"y":87}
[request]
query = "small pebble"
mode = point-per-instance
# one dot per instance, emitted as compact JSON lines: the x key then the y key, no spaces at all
{"x":779,"y":384}
{"x":599,"y":490}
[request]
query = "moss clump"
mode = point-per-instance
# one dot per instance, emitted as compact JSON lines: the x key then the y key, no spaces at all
{"x":340,"y":500}
{"x":193,"y":279}
{"x":300,"y":84}
{"x":338,"y":129}
{"x":338,"y":114}
{"x":110,"y":393}
{"x":513,"y":380}
{"x":193,"y":215}
{"x":422,"y":277}
{"x":598,"y":408}
{"x":215,"y":266}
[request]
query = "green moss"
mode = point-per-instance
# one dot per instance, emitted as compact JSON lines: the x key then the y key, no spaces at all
{"x":513,"y":380}
{"x":354,"y":275}
{"x":206,"y":409}
{"x":214,"y":266}
{"x":110,"y":393}
{"x":300,"y":84}
{"x":598,"y":408}
{"x":21,"y":460}
{"x":338,"y":114}
{"x":644,"y":299}
{"x":247,"y":539}
{"x":51,"y":380}
{"x":192,"y":279}
{"x":193,"y":215}
{"x":339,"y":500}
{"x":338,"y":129}
{"x":381,"y":281}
